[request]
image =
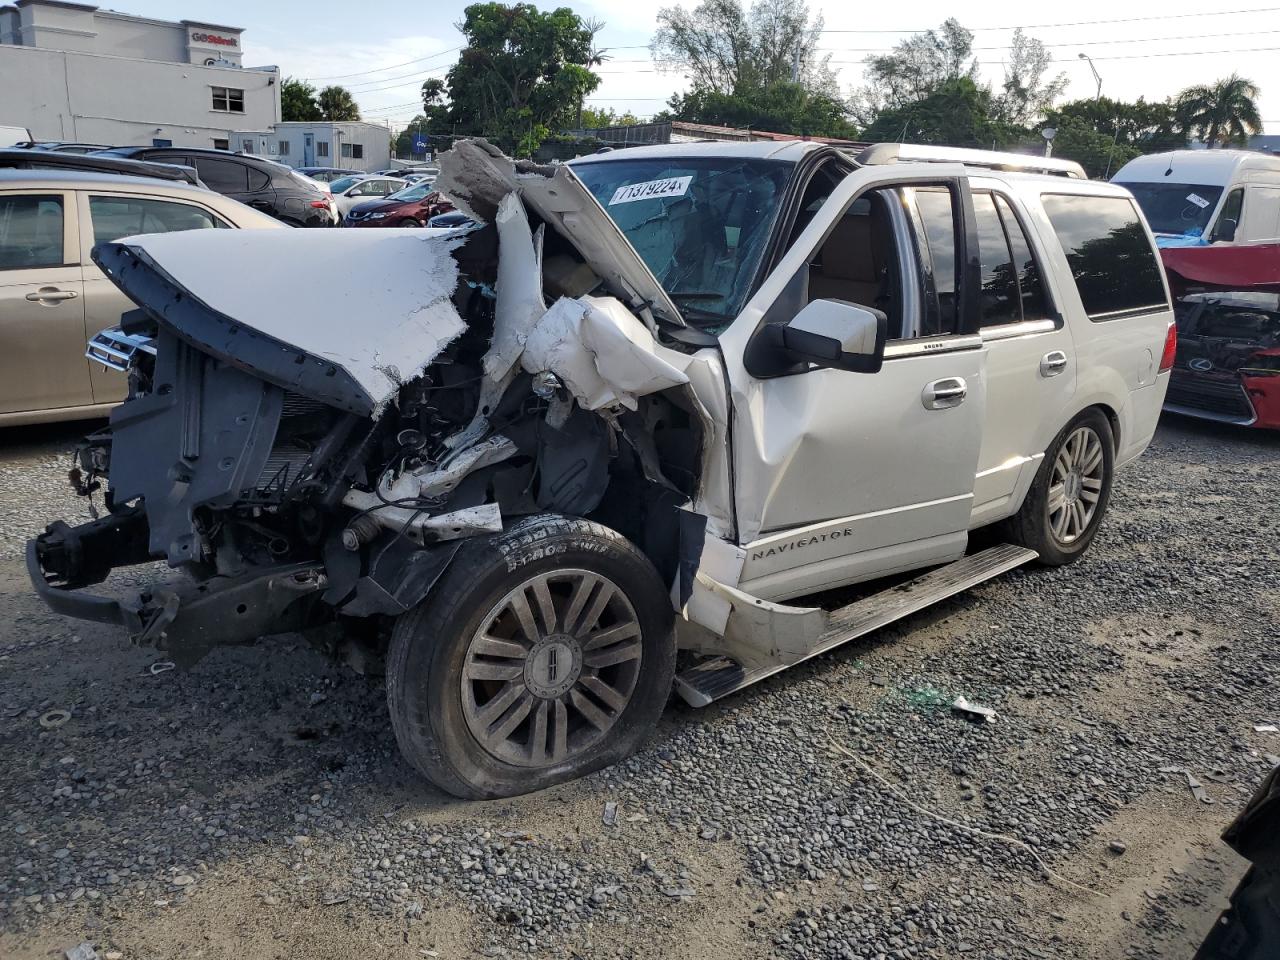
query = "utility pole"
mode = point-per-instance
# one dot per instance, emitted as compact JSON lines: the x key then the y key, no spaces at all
{"x":795,"y":64}
{"x":1098,"y":95}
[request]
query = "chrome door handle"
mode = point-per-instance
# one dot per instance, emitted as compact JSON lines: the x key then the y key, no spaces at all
{"x":1053,"y":363}
{"x":47,"y":294}
{"x":945,"y":393}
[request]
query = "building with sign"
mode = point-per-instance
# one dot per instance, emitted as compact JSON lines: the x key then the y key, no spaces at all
{"x":349,"y":145}
{"x":72,"y":71}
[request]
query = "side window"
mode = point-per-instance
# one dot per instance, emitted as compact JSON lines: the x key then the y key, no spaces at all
{"x":936,"y":239}
{"x":258,"y":179}
{"x":858,"y":260}
{"x":1030,"y":279}
{"x":30,"y":232}
{"x":1229,"y":219}
{"x":1261,"y":214}
{"x":998,"y":300}
{"x":1113,"y":263}
{"x":116,"y":217}
{"x":224,"y":176}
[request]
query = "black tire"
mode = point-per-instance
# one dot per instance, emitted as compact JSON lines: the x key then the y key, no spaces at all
{"x":1032,"y":526}
{"x":431,"y":690}
{"x":408,"y":222}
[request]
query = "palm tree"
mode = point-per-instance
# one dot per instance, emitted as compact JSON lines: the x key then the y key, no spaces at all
{"x":1225,"y":111}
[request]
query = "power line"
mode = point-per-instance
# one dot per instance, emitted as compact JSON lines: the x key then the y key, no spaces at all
{"x":416,"y":73}
{"x":997,"y":63}
{"x":1080,"y":23}
{"x":393,"y":66}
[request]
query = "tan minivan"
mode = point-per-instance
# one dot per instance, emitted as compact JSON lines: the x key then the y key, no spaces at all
{"x":53,"y":297}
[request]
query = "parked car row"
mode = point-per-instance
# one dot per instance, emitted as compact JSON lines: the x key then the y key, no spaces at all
{"x":53,"y":298}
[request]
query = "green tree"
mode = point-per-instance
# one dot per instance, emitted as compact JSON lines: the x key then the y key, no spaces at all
{"x":917,"y":68}
{"x":593,"y":118}
{"x":958,"y":113}
{"x":1146,"y":127}
{"x":523,"y":72}
{"x":1225,"y":111}
{"x":298,"y":101}
{"x":1100,"y":153}
{"x":337,"y":103}
{"x":729,"y":49}
{"x":1027,"y":94}
{"x":781,"y":107}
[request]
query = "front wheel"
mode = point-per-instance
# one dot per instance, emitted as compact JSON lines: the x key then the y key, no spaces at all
{"x":542,"y":654}
{"x":408,"y":222}
{"x":1069,"y":496}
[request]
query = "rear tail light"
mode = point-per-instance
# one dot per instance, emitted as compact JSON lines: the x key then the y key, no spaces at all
{"x":1170,"y":349}
{"x":320,"y":204}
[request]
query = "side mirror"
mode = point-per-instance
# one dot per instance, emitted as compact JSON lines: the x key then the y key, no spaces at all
{"x":825,"y":333}
{"x":1226,"y":229}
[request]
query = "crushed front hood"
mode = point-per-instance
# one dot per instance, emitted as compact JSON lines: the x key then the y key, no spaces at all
{"x":343,"y":316}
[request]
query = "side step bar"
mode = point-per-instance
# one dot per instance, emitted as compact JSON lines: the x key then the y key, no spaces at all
{"x":718,"y":677}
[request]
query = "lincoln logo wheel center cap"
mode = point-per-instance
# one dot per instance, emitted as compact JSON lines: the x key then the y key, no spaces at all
{"x":553,"y":666}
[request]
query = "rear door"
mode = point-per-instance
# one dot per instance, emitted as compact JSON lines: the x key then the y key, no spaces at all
{"x":1030,"y":355}
{"x":42,"y":363}
{"x":845,"y":476}
{"x":106,"y":216}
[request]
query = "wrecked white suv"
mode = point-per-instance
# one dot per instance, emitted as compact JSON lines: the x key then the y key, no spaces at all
{"x":616,"y":428}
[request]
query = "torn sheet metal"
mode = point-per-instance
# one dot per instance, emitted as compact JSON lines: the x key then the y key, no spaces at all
{"x":600,"y":351}
{"x":477,"y":176}
{"x":381,"y":331}
{"x":423,"y":529}
{"x":519,"y":301}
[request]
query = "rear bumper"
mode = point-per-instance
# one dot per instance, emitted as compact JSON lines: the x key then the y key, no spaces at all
{"x":1240,"y":400}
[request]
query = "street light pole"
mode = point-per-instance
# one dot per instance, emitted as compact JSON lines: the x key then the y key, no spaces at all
{"x":1097,"y":96}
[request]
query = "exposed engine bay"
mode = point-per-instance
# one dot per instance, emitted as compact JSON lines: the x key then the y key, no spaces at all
{"x":303,"y":460}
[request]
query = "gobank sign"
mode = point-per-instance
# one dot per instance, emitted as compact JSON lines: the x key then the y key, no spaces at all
{"x":199,"y":36}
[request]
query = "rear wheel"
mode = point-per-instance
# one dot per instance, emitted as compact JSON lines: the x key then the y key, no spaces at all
{"x":544,"y":653}
{"x":1066,"y":502}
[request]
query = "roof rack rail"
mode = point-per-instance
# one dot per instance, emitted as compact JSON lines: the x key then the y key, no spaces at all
{"x":22,"y":159}
{"x":879,"y":153}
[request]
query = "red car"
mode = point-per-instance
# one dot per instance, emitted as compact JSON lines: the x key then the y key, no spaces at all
{"x":1228,"y":314}
{"x":411,"y":207}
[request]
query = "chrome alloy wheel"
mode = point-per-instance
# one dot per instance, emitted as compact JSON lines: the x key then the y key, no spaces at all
{"x":1075,"y":485}
{"x":552,"y":667}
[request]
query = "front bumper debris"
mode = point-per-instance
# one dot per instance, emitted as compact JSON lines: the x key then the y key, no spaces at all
{"x":185,"y":618}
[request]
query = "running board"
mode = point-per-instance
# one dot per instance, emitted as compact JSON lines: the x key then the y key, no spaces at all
{"x":718,"y":677}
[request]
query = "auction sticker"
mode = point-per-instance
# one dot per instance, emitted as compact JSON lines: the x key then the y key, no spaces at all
{"x":1198,"y":200}
{"x":651,"y":190}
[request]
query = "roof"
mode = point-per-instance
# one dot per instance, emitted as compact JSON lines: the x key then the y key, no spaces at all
{"x":1213,"y":167}
{"x":791,"y":150}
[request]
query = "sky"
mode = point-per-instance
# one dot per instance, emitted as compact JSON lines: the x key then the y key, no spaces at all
{"x":383,"y":50}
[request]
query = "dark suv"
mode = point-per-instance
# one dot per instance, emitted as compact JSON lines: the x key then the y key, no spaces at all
{"x":263,"y":184}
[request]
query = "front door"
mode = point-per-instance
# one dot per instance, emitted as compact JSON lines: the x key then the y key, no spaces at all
{"x":308,"y":149}
{"x":42,"y":363}
{"x":842,"y":476}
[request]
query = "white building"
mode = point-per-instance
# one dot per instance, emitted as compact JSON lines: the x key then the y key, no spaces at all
{"x":349,"y":145}
{"x":71,"y":71}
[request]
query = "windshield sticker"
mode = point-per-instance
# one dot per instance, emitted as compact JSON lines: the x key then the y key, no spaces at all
{"x":651,"y":190}
{"x":1198,"y":200}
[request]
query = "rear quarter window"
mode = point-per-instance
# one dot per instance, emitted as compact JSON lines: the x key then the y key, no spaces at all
{"x":1114,"y":265}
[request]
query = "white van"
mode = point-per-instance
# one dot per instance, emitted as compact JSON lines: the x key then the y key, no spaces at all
{"x":1194,"y":197}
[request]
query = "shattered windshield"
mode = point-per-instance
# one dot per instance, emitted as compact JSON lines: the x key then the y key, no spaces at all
{"x":700,"y":224}
{"x":1178,"y":208}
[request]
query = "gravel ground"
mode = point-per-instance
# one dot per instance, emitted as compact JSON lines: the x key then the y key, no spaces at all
{"x":255,"y":806}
